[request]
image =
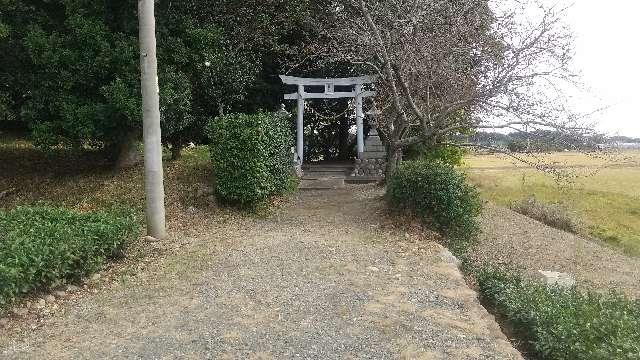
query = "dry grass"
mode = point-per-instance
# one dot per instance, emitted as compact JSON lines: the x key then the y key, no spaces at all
{"x":604,"y":192}
{"x":560,"y":159}
{"x":85,"y":181}
{"x":554,"y":215}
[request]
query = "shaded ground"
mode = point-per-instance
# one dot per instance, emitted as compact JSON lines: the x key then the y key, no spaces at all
{"x":320,"y":279}
{"x":514,"y":238}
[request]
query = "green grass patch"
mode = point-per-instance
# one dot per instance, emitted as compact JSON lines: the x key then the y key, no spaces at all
{"x":45,"y":246}
{"x":555,"y":323}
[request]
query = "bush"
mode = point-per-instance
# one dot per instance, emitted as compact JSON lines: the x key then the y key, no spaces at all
{"x":46,"y":246}
{"x":251,"y":157}
{"x":562,"y":324}
{"x":452,"y":155}
{"x":517,"y":146}
{"x":441,"y":196}
{"x":553,"y":215}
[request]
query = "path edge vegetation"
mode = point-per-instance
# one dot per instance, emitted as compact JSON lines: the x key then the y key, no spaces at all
{"x":547,"y":322}
{"x":550,"y":322}
{"x":43,"y":247}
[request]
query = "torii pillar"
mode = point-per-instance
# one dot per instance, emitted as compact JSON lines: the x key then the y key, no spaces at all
{"x":300,"y":125}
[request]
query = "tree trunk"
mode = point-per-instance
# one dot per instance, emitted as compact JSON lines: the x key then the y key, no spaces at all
{"x":176,"y":151}
{"x":394,"y":158}
{"x":126,"y":149}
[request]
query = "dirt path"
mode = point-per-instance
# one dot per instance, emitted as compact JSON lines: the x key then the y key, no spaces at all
{"x":321,"y":279}
{"x":528,"y":244}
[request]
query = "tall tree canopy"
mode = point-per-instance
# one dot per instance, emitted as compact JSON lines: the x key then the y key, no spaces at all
{"x":69,"y":68}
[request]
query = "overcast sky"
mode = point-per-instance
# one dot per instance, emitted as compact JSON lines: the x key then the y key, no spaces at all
{"x":608,"y":57}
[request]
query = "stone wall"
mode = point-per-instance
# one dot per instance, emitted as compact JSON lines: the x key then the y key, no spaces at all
{"x":373,"y":160}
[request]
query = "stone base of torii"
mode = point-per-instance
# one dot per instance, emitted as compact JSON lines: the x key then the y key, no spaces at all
{"x":373,"y":160}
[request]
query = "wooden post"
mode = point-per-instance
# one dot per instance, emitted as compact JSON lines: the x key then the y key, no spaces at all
{"x":359,"y":121}
{"x":153,"y":174}
{"x":300,"y":125}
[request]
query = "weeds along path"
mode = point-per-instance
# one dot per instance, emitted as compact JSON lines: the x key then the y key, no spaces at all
{"x":319,"y":279}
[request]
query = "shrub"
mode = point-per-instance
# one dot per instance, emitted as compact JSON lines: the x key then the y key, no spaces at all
{"x":452,"y":155}
{"x":517,"y":146}
{"x":441,"y":196}
{"x":45,"y":246}
{"x":251,"y":157}
{"x":554,"y":215}
{"x":562,"y":324}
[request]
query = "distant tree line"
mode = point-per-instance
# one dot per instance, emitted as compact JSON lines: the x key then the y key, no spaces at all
{"x":543,"y":141}
{"x":624,"y":139}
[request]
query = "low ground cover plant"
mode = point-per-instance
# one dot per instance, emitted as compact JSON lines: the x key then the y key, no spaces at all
{"x":554,"y":215}
{"x":441,"y":196}
{"x":560,"y":324}
{"x":45,"y":246}
{"x":251,"y":156}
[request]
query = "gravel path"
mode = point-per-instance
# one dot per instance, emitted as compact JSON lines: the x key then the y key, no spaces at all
{"x":321,"y":279}
{"x":528,"y":244}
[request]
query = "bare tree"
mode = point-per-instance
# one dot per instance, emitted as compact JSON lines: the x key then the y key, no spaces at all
{"x":450,"y":67}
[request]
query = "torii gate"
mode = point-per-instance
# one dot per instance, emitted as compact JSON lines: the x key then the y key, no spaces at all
{"x":356,"y":83}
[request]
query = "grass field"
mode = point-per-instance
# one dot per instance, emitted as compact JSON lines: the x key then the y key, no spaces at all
{"x":601,"y":190}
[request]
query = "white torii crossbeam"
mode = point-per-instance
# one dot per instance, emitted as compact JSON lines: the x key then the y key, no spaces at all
{"x":357,"y":92}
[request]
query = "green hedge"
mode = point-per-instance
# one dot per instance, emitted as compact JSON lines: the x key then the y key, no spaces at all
{"x":45,"y":246}
{"x":251,"y":157}
{"x":562,"y":324}
{"x":452,"y":155}
{"x":441,"y":196}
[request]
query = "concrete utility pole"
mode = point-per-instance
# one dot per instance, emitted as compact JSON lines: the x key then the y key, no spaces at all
{"x":153,"y":174}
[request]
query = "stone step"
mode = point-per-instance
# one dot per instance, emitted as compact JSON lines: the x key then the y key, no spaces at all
{"x":322,"y":174}
{"x":329,"y":164}
{"x":328,"y":169}
{"x":374,"y":155}
{"x":321,"y":184}
{"x":363,"y":179}
{"x":375,"y":148}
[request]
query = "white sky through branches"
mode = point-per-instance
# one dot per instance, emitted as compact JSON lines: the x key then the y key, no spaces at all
{"x":608,"y":59}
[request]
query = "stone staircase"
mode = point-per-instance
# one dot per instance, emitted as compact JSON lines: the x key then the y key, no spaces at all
{"x":325,"y":176}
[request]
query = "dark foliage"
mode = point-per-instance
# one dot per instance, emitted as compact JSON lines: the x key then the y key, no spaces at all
{"x":72,"y":74}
